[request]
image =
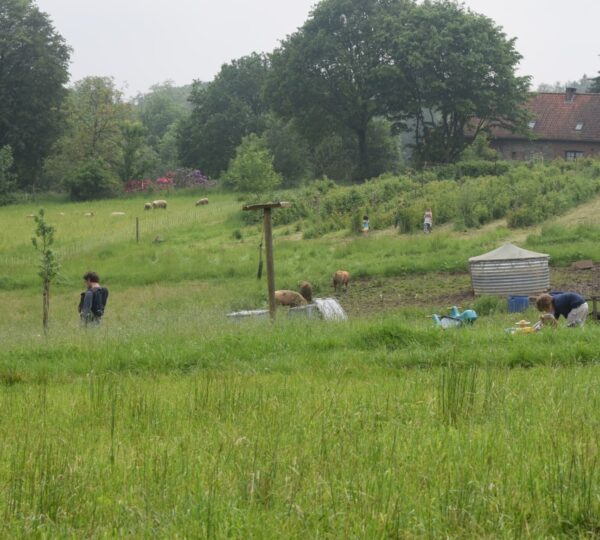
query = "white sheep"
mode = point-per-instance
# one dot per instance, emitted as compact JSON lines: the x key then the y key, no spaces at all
{"x":148,"y":206}
{"x":200,"y":202}
{"x":159,"y":204}
{"x":117,"y":214}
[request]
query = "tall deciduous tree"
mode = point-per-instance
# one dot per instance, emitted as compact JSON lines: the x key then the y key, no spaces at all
{"x":96,"y":114}
{"x":33,"y":71}
{"x":224,"y":111}
{"x":457,"y":70}
{"x":325,"y":75}
{"x":161,"y":107}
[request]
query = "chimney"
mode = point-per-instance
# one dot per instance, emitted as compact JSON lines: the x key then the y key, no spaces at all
{"x":570,"y":95}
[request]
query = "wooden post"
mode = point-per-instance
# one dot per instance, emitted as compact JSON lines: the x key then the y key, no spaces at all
{"x":270,"y":266}
{"x":268,"y":229}
{"x":137,"y":230}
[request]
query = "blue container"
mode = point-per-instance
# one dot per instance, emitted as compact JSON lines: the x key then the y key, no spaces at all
{"x":517,"y":303}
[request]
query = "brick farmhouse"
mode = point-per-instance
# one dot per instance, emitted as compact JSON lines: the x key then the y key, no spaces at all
{"x":562,"y":126}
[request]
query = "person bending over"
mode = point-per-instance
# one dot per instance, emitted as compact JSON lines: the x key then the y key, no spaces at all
{"x":570,"y":305}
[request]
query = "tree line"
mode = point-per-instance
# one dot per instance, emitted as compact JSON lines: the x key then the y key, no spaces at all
{"x":360,"y":87}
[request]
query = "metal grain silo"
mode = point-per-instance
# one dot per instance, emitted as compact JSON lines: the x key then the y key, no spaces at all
{"x":510,"y":270}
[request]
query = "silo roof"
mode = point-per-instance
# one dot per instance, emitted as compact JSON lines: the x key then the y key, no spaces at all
{"x":508,"y":252}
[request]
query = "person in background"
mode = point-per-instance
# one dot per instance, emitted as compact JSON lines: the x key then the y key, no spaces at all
{"x":427,"y":221}
{"x":365,"y":224}
{"x":570,"y":305}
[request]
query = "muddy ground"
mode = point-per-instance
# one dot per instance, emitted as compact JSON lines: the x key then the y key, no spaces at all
{"x":442,"y":290}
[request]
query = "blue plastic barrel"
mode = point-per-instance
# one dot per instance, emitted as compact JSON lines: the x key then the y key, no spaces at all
{"x":517,"y":303}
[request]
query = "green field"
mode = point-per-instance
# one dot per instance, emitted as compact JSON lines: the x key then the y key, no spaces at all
{"x":170,"y":420}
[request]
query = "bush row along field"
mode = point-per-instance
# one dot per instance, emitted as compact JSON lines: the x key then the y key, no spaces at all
{"x":171,"y":420}
{"x":522,"y":194}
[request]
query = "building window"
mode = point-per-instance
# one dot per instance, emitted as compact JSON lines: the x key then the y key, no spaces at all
{"x":579,"y":126}
{"x":531,"y":124}
{"x":513,"y":155}
{"x":570,"y":155}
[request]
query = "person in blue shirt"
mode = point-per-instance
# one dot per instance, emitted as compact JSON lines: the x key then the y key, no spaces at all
{"x":570,"y":305}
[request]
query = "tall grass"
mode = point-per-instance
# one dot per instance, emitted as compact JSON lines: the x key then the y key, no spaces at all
{"x":169,"y":420}
{"x":327,"y":452}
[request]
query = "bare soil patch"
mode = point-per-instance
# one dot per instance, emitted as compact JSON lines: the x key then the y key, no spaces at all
{"x":441,"y":290}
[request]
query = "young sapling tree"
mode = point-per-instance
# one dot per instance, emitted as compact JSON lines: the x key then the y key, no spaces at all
{"x":48,"y":265}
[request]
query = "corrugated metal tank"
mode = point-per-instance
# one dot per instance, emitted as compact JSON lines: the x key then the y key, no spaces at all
{"x":510,"y":270}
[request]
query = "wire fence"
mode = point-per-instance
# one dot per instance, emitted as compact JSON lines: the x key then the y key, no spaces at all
{"x":143,"y":228}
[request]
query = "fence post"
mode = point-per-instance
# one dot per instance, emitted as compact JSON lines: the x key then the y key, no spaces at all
{"x":137,"y":230}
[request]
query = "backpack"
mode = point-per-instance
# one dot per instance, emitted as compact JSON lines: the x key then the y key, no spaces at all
{"x":99,"y":301}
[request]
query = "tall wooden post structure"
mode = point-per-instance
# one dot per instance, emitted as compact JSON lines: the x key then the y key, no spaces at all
{"x":268,"y":230}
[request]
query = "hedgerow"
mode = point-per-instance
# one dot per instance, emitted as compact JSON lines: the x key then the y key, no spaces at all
{"x":523,"y":194}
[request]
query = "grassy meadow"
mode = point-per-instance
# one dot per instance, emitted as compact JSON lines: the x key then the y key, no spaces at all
{"x":170,"y":420}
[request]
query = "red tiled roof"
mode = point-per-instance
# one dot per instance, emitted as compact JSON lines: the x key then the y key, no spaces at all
{"x":556,"y":118}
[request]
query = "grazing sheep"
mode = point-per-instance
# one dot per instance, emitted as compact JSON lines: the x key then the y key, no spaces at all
{"x":341,"y":279}
{"x":306,"y":290}
{"x":289,"y":298}
{"x":88,"y":214}
{"x":30,"y":215}
{"x":117,"y":213}
{"x":148,"y":206}
{"x":200,"y":202}
{"x":159,"y":204}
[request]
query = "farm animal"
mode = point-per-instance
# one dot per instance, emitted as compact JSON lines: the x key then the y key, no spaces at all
{"x":30,"y":215}
{"x":117,"y":214}
{"x":306,"y":290}
{"x":148,"y":206}
{"x":159,"y":204}
{"x":289,"y":298}
{"x":88,"y":214}
{"x":200,"y":202}
{"x":341,"y":278}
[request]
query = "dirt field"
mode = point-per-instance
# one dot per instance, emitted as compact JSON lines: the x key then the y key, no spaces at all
{"x":442,"y":290}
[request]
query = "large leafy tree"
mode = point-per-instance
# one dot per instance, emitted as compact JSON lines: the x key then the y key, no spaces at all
{"x":33,"y":71}
{"x":326,"y":74}
{"x":161,"y":107}
{"x":457,"y":72}
{"x":97,"y":124}
{"x":224,"y":111}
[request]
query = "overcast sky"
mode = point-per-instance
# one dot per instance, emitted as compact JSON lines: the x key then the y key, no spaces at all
{"x":144,"y":42}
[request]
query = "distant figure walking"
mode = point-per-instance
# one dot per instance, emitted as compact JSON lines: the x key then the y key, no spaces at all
{"x":93,"y":301}
{"x":427,"y":221}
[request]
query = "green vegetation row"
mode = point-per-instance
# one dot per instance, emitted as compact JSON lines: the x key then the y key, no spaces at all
{"x":523,"y":194}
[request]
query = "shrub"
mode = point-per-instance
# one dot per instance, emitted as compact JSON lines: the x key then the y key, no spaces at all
{"x":251,"y":170}
{"x":93,"y":180}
